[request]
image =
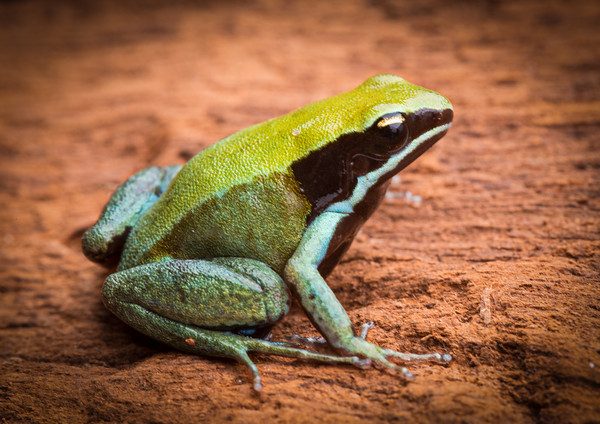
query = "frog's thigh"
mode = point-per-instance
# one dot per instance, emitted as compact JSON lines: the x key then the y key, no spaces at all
{"x":104,"y":241}
{"x":226,"y":294}
{"x":188,"y":303}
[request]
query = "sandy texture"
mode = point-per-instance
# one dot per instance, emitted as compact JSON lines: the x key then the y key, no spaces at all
{"x":498,"y":264}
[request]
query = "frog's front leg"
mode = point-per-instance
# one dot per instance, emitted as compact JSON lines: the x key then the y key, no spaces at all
{"x":206,"y":307}
{"x":323,"y":307}
{"x":104,"y":241}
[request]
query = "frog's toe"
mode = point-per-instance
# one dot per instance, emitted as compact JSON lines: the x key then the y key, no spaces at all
{"x":407,"y":374}
{"x":364,"y":329}
{"x":442,"y":358}
{"x":256,"y":380}
{"x":393,"y":368}
{"x":362,"y":363}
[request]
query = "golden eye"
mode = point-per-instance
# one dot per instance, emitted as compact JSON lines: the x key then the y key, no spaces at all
{"x":393,"y":120}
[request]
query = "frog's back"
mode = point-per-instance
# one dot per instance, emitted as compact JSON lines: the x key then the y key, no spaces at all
{"x":220,"y":206}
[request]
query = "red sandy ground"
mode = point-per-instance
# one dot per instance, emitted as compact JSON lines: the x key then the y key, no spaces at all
{"x":499,"y":265}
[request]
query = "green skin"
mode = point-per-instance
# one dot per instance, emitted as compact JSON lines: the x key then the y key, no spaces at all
{"x":208,"y":251}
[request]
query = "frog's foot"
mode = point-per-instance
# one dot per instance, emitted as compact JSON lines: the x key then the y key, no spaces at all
{"x":442,"y":358}
{"x":275,"y":348}
{"x":377,"y":355}
{"x":245,"y":345}
{"x":381,"y":356}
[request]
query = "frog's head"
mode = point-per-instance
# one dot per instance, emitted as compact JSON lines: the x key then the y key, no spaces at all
{"x":398,"y":121}
{"x":374,"y":131}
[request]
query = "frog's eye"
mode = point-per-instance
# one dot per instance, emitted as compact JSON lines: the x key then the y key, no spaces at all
{"x":392,"y":130}
{"x":391,"y":121}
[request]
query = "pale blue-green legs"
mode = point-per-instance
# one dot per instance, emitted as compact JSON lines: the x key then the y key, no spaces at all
{"x":104,"y":241}
{"x":204,"y":307}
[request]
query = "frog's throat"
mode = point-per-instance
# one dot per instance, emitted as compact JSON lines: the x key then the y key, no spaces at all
{"x":365,"y":182}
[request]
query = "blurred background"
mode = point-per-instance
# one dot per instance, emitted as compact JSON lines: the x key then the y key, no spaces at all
{"x":486,"y":247}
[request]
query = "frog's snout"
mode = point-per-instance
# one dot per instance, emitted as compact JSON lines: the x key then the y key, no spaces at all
{"x":427,"y":119}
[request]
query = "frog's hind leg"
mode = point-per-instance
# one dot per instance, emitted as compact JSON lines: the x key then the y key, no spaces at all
{"x":200,"y":306}
{"x":104,"y":241}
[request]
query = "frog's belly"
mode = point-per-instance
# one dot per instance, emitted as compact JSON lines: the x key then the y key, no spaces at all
{"x":264,"y":221}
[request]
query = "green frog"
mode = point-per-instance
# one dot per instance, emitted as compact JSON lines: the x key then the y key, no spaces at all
{"x":210,"y":253}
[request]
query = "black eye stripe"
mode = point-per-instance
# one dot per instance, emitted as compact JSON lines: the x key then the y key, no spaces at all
{"x":330,"y":173}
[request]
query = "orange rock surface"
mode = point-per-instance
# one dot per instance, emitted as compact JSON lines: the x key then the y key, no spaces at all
{"x":497,"y":264}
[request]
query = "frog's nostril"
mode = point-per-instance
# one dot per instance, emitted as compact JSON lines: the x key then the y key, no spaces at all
{"x":427,"y":119}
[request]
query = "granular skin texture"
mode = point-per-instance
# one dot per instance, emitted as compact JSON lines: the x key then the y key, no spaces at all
{"x":497,"y":260}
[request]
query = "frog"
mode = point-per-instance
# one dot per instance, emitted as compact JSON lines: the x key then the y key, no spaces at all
{"x":209,"y":255}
